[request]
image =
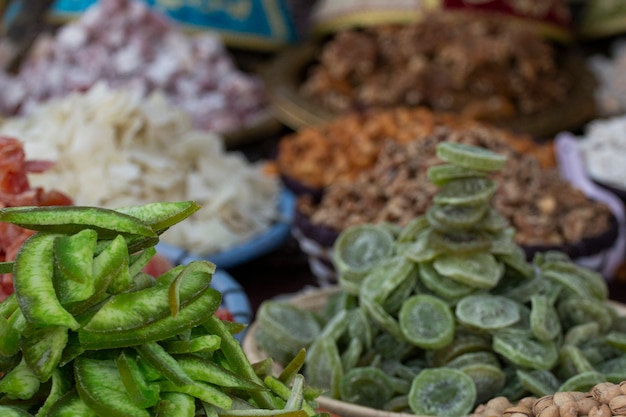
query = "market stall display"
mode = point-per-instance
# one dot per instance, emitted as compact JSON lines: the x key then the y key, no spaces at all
{"x":476,"y":65}
{"x":449,"y":302}
{"x":385,"y":180}
{"x":133,"y":47}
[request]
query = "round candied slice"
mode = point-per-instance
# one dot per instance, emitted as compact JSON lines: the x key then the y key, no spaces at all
{"x":441,"y":174}
{"x":538,"y":382}
{"x":368,"y":386}
{"x":487,"y":311}
{"x":448,"y":217}
{"x":459,"y":241}
{"x":444,"y":392}
{"x":525,"y":352}
{"x":471,"y":157}
{"x":545,"y":322}
{"x":442,"y":286}
{"x":427,"y":321}
{"x":294,"y":327}
{"x":476,"y":269}
{"x":359,"y":248}
{"x":466,"y":191}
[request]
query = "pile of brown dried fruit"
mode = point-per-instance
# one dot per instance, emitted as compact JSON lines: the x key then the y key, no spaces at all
{"x":605,"y":399}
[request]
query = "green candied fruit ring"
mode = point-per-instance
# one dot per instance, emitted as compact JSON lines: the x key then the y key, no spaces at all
{"x":427,"y":321}
{"x":459,"y":241}
{"x":294,"y":327}
{"x":368,"y":386}
{"x":421,"y":249}
{"x":441,"y":174}
{"x":444,"y":287}
{"x":478,"y":269}
{"x":466,"y":191}
{"x":544,"y":319}
{"x":538,"y":382}
{"x":583,"y":310}
{"x":582,"y":382}
{"x":487,"y":311}
{"x":523,"y":351}
{"x":471,"y":157}
{"x":443,"y":392}
{"x":386,"y":277}
{"x":463,"y":342}
{"x":487,"y":378}
{"x":448,"y":217}
{"x":324,"y":368}
{"x":360,"y":247}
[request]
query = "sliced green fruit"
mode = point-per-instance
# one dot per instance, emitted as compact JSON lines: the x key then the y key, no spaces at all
{"x":441,"y":174}
{"x":523,"y":351}
{"x":459,"y":241}
{"x":476,"y":269}
{"x":466,"y":191}
{"x":427,"y":321}
{"x":449,"y":218}
{"x":367,"y":386}
{"x":359,"y":248}
{"x":471,"y":157}
{"x":442,"y":392}
{"x":487,"y":311}
{"x":538,"y":382}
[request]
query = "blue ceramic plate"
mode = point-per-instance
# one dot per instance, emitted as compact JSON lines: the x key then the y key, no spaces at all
{"x":260,"y":245}
{"x":234,"y":298}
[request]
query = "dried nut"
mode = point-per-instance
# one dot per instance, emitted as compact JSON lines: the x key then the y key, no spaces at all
{"x":550,"y":411}
{"x":604,"y":391}
{"x":527,"y":402}
{"x":586,"y":403}
{"x":618,"y":405}
{"x":561,"y":398}
{"x":542,"y":403}
{"x":499,"y":404}
{"x":622,"y":387}
{"x":578,"y":395}
{"x":518,"y":411}
{"x":602,"y":410}
{"x":568,"y":409}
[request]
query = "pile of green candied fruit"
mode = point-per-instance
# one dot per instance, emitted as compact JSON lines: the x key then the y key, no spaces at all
{"x":446,"y":313}
{"x":87,"y":333}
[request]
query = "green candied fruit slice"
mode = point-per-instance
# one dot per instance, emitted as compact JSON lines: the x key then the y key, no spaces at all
{"x":444,"y":287}
{"x":544,"y":319}
{"x":427,"y":321}
{"x":294,"y":327}
{"x":324,"y":368}
{"x":470,"y":156}
{"x":573,"y":361}
{"x":573,"y":311}
{"x":412,"y":229}
{"x":367,"y":386}
{"x":487,"y":378}
{"x":421,"y":250}
{"x":466,"y":191}
{"x":477,"y":269}
{"x":382,"y":318}
{"x":360,"y":247}
{"x":493,"y":221}
{"x":526,"y":352}
{"x":464,"y":342}
{"x":441,"y":174}
{"x":538,"y":382}
{"x":448,"y":217}
{"x":582,"y":382}
{"x":487,"y":311}
{"x":581,"y":333}
{"x":503,"y":242}
{"x":442,"y":392}
{"x":616,"y":339}
{"x":386,"y":277}
{"x":459,"y":241}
